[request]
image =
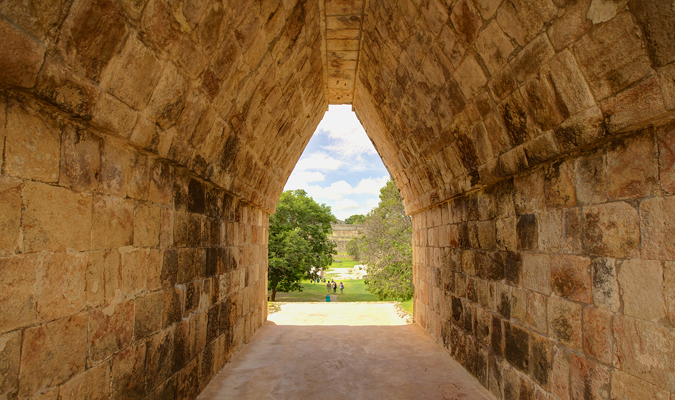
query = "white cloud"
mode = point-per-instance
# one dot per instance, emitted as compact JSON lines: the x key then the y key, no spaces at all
{"x":347,"y":205}
{"x":317,"y":161}
{"x":349,"y":139}
{"x":370,"y":185}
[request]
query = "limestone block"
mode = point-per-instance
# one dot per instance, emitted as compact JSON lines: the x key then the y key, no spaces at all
{"x":635,"y":107}
{"x":168,"y":98}
{"x":146,"y":225}
{"x":571,"y":231}
{"x":132,"y":76}
{"x":470,"y":77}
{"x":32,"y":146}
{"x":10,"y":214}
{"x":503,"y":83}
{"x":133,"y":271}
{"x":95,"y":279}
{"x":645,"y":350}
{"x":110,"y":330}
{"x":571,"y":25}
{"x":138,"y":176}
{"x":38,"y":20}
{"x":128,"y":371}
{"x":570,"y":85}
{"x":537,"y":273}
{"x":656,"y":20}
{"x":80,"y":160}
{"x":486,"y":234}
{"x":532,"y":57}
{"x":517,"y":346}
{"x":494,"y":47}
{"x":591,"y":178}
{"x":612,"y":56}
{"x":570,"y":278}
{"x":154,"y":276}
{"x":487,"y":8}
{"x":529,"y":192}
{"x":513,"y":269}
{"x":667,"y":81}
{"x":22,"y":57}
{"x":112,"y":272}
{"x":559,"y":184}
{"x":49,"y":215}
{"x":506,"y":233}
{"x":160,"y":358}
{"x":114,"y":162}
{"x":466,"y":20}
{"x":91,"y":35}
{"x":631,"y":168}
{"x":62,"y":289}
{"x":519,"y":126}
{"x":92,"y":384}
{"x":549,"y":231}
{"x":523,"y":19}
{"x":581,"y":129}
{"x":542,"y":359}
{"x":436,"y":15}
{"x":669,"y":289}
{"x":641,"y":283}
{"x":611,"y":230}
{"x":602,"y":11}
{"x":665,"y":137}
{"x":626,"y":387}
{"x":17,"y":301}
{"x":597,"y":327}
{"x":540,"y":97}
{"x":536,"y":312}
{"x":526,"y":232}
{"x":10,"y":357}
{"x":112,"y":115}
{"x":52,"y":353}
{"x":161,"y":182}
{"x":588,"y":379}
{"x":564,"y":322}
{"x":113,"y":222}
{"x":66,"y":89}
{"x":560,"y":374}
{"x":172,"y":307}
{"x":657,"y":225}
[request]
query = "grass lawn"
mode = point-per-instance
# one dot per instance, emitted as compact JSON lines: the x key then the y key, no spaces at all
{"x":408,"y":306}
{"x":355,"y":290}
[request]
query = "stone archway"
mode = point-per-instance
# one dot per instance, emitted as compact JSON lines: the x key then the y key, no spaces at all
{"x":146,"y":142}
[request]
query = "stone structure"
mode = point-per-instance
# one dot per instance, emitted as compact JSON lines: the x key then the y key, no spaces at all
{"x":343,"y":233}
{"x":145,"y":142}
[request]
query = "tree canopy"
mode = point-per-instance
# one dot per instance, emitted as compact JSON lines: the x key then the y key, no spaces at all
{"x":386,"y":247}
{"x":298,"y":240}
{"x":355,"y":219}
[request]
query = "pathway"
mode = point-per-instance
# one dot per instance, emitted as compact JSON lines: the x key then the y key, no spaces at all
{"x":345,"y":351}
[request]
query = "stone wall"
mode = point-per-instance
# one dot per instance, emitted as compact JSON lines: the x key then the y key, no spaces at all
{"x":532,"y":143}
{"x":343,"y":233}
{"x":136,"y":184}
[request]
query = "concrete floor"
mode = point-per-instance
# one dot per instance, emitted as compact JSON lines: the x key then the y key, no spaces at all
{"x":344,"y":351}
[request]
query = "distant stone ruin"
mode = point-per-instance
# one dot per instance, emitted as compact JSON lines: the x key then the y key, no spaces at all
{"x":343,"y":233}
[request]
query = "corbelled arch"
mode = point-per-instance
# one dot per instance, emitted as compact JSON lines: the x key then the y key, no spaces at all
{"x":146,"y":142}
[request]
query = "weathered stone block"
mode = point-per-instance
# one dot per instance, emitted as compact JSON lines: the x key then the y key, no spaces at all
{"x":532,"y":57}
{"x":631,"y":168}
{"x":580,"y":129}
{"x":10,"y":361}
{"x":588,"y":380}
{"x":110,"y":330}
{"x":667,"y":81}
{"x":128,"y":371}
{"x":526,"y":232}
{"x":114,"y":162}
{"x":591,"y":178}
{"x":506,"y":233}
{"x":168,"y":98}
{"x":542,"y":359}
{"x":656,"y":20}
{"x":80,"y":160}
{"x":513,"y":268}
{"x":669,"y":289}
{"x":611,"y":230}
{"x":112,"y":115}
{"x":570,"y":278}
{"x":112,"y":270}
{"x":536,"y":312}
{"x":134,"y":271}
{"x":519,"y":126}
{"x":641,"y":283}
{"x":32,"y":146}
{"x":10,"y":215}
{"x":517,"y":346}
{"x":63,"y":284}
{"x":549,"y":231}
{"x":132,"y":76}
{"x":113,"y":222}
{"x":657,"y":225}
{"x":571,"y":25}
{"x":173,"y":307}
{"x":467,"y":21}
{"x":611,"y":56}
{"x":93,"y":384}
{"x":160,"y":358}
{"x":22,"y":58}
{"x":138,"y":176}
{"x":665,"y":137}
{"x":627,"y":387}
{"x":52,"y":353}
{"x":537,"y":272}
{"x":518,"y":308}
{"x":470,"y":77}
{"x":523,"y":19}
{"x":49,"y":214}
{"x":503,"y":83}
{"x":636,"y":107}
{"x":564,"y":322}
{"x":146,"y":225}
{"x":571,"y":231}
{"x":494,"y":47}
{"x":529,"y":192}
{"x":597,"y":327}
{"x":560,"y":374}
{"x":154,"y":275}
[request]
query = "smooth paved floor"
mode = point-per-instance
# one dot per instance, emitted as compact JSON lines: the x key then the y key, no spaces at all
{"x":342,"y":351}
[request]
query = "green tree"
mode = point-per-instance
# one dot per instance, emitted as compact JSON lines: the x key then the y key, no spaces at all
{"x":353,"y":247}
{"x":386,"y":247}
{"x":298,"y":241}
{"x":355,"y":219}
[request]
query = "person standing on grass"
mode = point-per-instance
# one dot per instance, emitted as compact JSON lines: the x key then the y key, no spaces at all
{"x":328,"y":297}
{"x":328,"y":286}
{"x":342,"y":287}
{"x":334,"y":287}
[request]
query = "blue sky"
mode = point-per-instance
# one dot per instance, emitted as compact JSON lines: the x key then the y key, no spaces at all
{"x":340,"y":167}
